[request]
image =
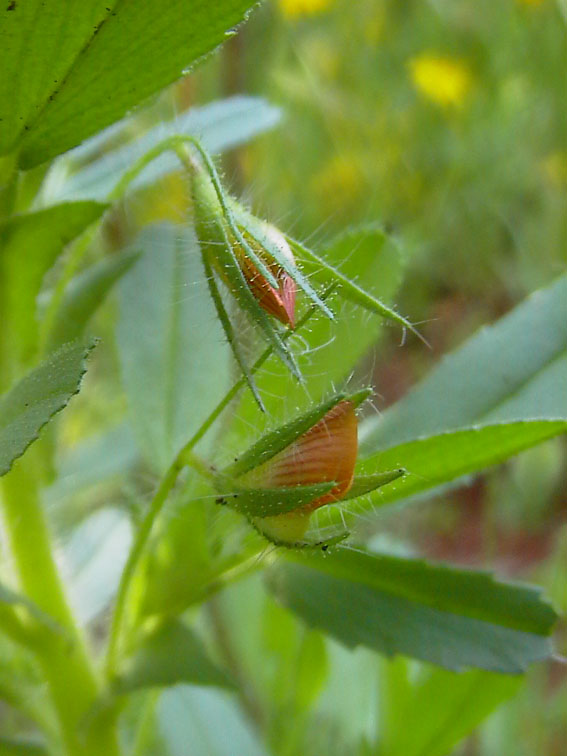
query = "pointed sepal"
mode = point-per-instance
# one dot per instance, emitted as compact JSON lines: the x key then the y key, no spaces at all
{"x":348,"y":289}
{"x":365,"y":484}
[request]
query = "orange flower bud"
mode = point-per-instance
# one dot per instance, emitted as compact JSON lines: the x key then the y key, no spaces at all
{"x":278,"y":302}
{"x":325,"y":453}
{"x":214,"y":231}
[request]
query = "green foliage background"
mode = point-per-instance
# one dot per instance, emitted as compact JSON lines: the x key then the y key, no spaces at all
{"x":448,"y":197}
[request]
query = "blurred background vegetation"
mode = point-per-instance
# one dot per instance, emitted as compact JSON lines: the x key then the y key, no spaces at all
{"x":445,"y":120}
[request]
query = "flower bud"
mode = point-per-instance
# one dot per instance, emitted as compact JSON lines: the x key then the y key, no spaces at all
{"x":272,"y":286}
{"x":325,"y":453}
{"x":280,"y":301}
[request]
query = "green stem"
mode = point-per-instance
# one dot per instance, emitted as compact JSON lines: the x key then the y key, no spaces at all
{"x":183,"y":458}
{"x":67,"y":667}
{"x":167,"y":483}
{"x":177,"y":144}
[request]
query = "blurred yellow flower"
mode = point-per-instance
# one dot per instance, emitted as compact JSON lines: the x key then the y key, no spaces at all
{"x":443,"y":80}
{"x":531,"y":3}
{"x":297,"y":8}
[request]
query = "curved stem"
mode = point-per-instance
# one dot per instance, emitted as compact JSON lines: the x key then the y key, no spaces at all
{"x":184,"y":457}
{"x":177,"y":144}
{"x":167,"y":483}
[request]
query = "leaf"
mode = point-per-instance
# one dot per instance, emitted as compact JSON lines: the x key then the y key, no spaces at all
{"x":171,"y":654}
{"x":219,"y":125}
{"x":95,"y":555}
{"x":455,"y":705}
{"x":85,"y":294}
{"x":450,"y":617}
{"x":208,"y":719}
{"x":29,"y":245}
{"x":174,"y":364}
{"x":515,"y":369}
{"x":70,"y":72}
{"x":312,"y":669}
{"x":432,"y":461}
{"x":32,"y":402}
{"x":93,"y":461}
{"x":22,"y":683}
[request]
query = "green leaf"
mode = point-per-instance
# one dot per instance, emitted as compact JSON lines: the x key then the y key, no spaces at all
{"x":22,"y":685}
{"x":85,"y":294}
{"x":453,"y":618}
{"x":175,"y":366}
{"x":432,"y":461}
{"x":312,"y":669}
{"x":29,"y":245}
{"x":94,"y":460}
{"x":455,"y":705}
{"x":67,"y":73}
{"x":219,"y":125}
{"x":209,"y":719}
{"x":95,"y":555}
{"x":32,"y":402}
{"x":171,"y":654}
{"x":515,"y":369}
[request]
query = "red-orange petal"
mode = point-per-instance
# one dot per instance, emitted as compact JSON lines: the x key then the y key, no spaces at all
{"x":278,"y":302}
{"x":326,"y":452}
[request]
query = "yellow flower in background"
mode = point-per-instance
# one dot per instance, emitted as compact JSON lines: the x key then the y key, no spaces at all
{"x":297,"y":8}
{"x":443,"y":80}
{"x":531,"y":3}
